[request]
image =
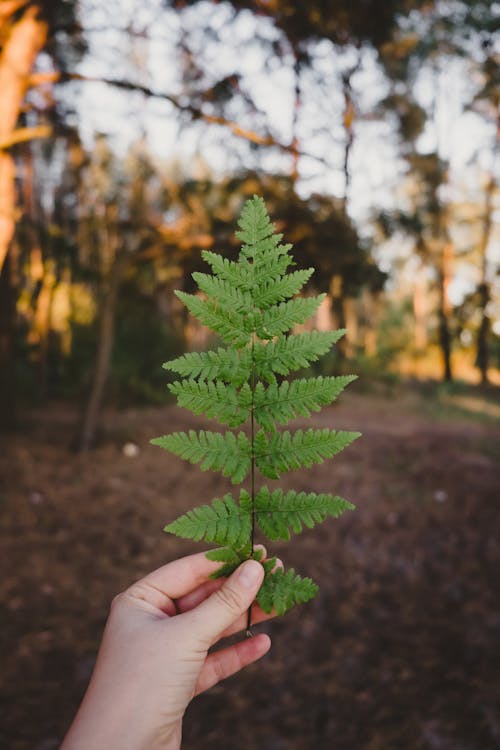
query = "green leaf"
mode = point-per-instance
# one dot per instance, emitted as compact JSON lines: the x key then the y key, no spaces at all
{"x":231,"y":558}
{"x":271,"y":292}
{"x":251,"y":304}
{"x":228,"y":365}
{"x":281,"y":403}
{"x":255,"y":224}
{"x":290,"y":353}
{"x":222,"y":522}
{"x":284,"y":450}
{"x":281,"y":591}
{"x":227,"y":453}
{"x":239,"y":274}
{"x":284,"y":316}
{"x":233,"y":327}
{"x":214,"y":400}
{"x":278,"y":513}
{"x":223,"y":293}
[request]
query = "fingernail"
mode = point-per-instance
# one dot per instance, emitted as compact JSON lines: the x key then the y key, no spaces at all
{"x":249,"y":573}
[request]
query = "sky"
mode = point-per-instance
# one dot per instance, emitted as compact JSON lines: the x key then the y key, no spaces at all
{"x":133,"y":40}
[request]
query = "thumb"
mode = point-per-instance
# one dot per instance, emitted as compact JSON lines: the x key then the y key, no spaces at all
{"x":225,"y":605}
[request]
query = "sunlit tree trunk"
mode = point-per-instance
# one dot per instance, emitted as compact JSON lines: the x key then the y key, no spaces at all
{"x":420,"y":310}
{"x":23,"y":41}
{"x":20,"y":41}
{"x":482,"y":353}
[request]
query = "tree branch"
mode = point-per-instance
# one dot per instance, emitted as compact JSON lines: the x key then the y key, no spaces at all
{"x":21,"y":135}
{"x":196,"y":113}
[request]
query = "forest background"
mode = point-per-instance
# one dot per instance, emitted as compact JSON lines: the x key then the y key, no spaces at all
{"x":131,"y":133}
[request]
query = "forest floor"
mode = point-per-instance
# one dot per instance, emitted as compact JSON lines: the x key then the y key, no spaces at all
{"x":399,"y":651}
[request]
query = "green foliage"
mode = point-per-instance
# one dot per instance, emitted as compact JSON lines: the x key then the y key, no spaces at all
{"x":250,"y":304}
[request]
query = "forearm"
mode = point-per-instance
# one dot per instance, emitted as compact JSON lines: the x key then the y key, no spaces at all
{"x":95,"y":728}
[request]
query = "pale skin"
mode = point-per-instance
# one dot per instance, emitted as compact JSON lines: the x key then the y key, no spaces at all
{"x":154,"y":655}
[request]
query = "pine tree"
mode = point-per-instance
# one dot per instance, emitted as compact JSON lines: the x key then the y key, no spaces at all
{"x":250,"y":304}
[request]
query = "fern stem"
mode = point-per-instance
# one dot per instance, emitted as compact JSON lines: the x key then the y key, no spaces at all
{"x":252,"y":468}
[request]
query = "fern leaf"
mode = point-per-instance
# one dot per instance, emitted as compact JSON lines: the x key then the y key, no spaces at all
{"x":227,"y":365}
{"x":281,"y":591}
{"x":270,"y":269}
{"x":223,"y":292}
{"x":255,"y":225}
{"x":237,"y":273}
{"x":233,"y":327}
{"x":281,"y":403}
{"x":284,"y":316}
{"x":291,"y":353}
{"x":285,"y":451}
{"x":251,"y":304}
{"x":278,"y":513}
{"x":231,"y":558}
{"x":215,"y":400}
{"x":228,"y":453}
{"x":269,"y":293}
{"x":222,"y":522}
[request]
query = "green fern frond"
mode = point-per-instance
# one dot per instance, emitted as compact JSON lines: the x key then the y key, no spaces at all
{"x":251,"y":304}
{"x":254,"y":223}
{"x":228,"y":365}
{"x":271,"y":292}
{"x":223,"y":522}
{"x":231,"y":557}
{"x":240,"y":274}
{"x":233,"y":327}
{"x":281,"y":591}
{"x":284,"y":451}
{"x":216,"y":400}
{"x":269,"y":269}
{"x":278,"y":513}
{"x":223,"y":292}
{"x":228,"y":453}
{"x":282,"y":317}
{"x":281,"y":403}
{"x":290,"y":353}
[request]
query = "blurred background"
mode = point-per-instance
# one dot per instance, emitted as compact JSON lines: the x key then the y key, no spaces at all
{"x":131,"y":133}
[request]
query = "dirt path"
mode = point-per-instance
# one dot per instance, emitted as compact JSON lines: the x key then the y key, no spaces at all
{"x":401,"y":649}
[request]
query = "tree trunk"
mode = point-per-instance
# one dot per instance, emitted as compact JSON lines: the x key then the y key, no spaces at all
{"x":482,"y":351}
{"x":7,"y":346}
{"x":20,"y":43}
{"x":348,"y":119}
{"x":107,"y":320}
{"x":444,"y":311}
{"x":338,"y":312}
{"x":23,"y":42}
{"x":420,"y":311}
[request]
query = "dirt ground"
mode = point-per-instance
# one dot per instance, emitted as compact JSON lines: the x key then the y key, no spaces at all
{"x":401,"y":648}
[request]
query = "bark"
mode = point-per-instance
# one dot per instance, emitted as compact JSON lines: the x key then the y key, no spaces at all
{"x":352,"y":326}
{"x":348,"y":119}
{"x":371,"y":304}
{"x":20,"y":45}
{"x":338,"y":312}
{"x":26,"y":38}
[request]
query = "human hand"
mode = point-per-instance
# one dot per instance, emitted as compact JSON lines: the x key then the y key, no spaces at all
{"x":154,"y":654}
